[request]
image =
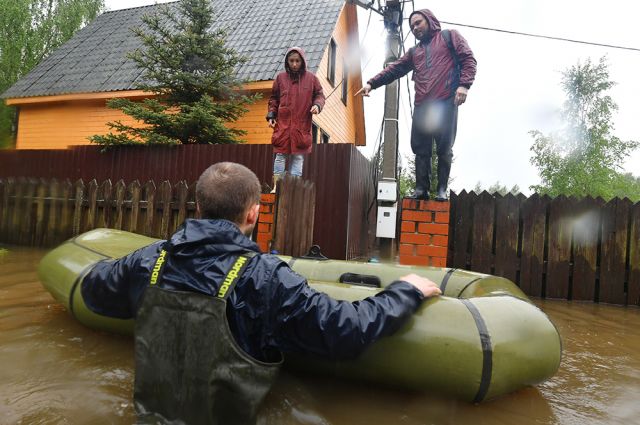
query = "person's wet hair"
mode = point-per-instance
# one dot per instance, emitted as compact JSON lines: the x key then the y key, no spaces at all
{"x":225,"y":190}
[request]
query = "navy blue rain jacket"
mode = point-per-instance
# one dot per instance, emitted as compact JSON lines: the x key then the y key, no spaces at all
{"x":271,"y":309}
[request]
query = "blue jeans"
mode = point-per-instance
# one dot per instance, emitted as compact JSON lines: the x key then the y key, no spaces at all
{"x":296,"y":161}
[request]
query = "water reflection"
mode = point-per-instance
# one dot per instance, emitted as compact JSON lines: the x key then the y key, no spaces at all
{"x":53,"y":370}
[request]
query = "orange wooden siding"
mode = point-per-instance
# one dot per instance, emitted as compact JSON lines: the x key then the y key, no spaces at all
{"x":56,"y":122}
{"x":344,"y":124}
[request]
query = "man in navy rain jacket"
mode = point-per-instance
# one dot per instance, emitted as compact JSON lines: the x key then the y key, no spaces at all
{"x":170,"y":286}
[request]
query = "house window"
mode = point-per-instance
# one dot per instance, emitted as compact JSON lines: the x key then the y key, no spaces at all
{"x":331,"y":69}
{"x":325,"y":137}
{"x":345,"y":83}
{"x":314,"y":133}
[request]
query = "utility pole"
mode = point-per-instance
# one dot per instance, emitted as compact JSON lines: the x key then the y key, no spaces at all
{"x":388,"y":185}
{"x":387,"y":190}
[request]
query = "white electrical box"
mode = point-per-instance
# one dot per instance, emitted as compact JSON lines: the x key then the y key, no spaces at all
{"x":387,"y":190}
{"x":386,"y":226}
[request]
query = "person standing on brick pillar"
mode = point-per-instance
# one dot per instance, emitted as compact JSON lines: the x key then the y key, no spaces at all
{"x":214,"y":314}
{"x":296,"y":96}
{"x":444,"y":69}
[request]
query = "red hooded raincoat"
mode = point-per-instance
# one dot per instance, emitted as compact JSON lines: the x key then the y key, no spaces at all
{"x":290,"y":103}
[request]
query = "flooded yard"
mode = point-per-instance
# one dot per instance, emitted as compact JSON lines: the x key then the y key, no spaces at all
{"x":55,"y":371}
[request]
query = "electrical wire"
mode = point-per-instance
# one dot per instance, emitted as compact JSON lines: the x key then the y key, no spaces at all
{"x":548,"y":37}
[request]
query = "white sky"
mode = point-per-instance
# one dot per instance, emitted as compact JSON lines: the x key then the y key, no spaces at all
{"x":517,"y":86}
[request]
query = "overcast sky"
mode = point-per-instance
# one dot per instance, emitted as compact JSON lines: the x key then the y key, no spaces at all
{"x":517,"y":86}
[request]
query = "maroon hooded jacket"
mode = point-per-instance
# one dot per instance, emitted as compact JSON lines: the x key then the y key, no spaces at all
{"x":434,"y":71}
{"x":290,"y":103}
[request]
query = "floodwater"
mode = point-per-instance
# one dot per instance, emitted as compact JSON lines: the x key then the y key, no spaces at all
{"x":55,"y":371}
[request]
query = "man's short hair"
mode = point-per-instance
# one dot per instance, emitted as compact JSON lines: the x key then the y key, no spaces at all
{"x":226,"y":190}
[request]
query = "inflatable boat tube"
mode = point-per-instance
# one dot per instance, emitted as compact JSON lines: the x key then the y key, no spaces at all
{"x":480,"y":340}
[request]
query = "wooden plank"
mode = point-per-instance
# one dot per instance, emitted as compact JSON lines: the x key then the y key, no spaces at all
{"x":92,"y":210}
{"x":120,"y":190}
{"x":633,"y":297}
{"x":534,"y":231}
{"x":104,"y":214}
{"x":586,"y":228}
{"x":507,"y":225}
{"x":559,"y":248}
{"x":613,"y":250}
{"x":309,"y":219}
{"x":53,"y":222}
{"x":165,"y":205}
{"x":182,"y":194}
{"x":293,"y":237}
{"x":482,"y":233}
{"x":14,"y":224}
{"x":281,"y":218}
{"x":66,"y":221}
{"x":463,"y":223}
{"x":150,"y":209}
{"x":79,"y":189}
{"x":8,"y":188}
{"x":37,"y":238}
{"x":26,"y":211}
{"x":134,"y":190}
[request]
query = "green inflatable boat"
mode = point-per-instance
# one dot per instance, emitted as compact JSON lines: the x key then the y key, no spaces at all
{"x":481,"y":339}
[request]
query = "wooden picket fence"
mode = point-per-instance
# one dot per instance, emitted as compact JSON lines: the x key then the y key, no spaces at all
{"x":568,"y":248}
{"x":37,"y":212}
{"x":41,"y":213}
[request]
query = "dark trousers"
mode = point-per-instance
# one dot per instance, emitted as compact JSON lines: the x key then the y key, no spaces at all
{"x":433,"y":121}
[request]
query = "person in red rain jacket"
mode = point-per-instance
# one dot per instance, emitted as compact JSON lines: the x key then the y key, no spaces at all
{"x":295,"y":97}
{"x":443,"y":72}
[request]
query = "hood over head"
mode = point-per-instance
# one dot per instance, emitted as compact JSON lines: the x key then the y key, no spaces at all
{"x":300,"y":51}
{"x":434,"y":24}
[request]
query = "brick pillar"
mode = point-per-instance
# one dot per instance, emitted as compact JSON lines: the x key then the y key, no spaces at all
{"x":265,"y":221}
{"x":424,"y":233}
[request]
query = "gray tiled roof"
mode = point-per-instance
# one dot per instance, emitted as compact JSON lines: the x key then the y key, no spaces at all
{"x":95,"y":58}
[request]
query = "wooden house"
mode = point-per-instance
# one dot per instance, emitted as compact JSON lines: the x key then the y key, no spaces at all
{"x":62,"y":101}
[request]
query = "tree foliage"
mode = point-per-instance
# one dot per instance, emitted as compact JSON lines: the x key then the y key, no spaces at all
{"x":29,"y":31}
{"x":190,"y":70}
{"x":585,"y":158}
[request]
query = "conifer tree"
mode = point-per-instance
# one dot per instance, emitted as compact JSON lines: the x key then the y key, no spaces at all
{"x":191,"y":72}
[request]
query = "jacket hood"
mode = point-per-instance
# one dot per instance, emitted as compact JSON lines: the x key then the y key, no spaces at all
{"x":300,"y":51}
{"x":434,"y":24}
{"x":208,"y":237}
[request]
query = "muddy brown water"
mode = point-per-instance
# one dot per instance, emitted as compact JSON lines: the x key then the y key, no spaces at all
{"x":55,"y":371}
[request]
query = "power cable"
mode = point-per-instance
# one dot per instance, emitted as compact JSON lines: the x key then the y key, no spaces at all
{"x":612,"y":46}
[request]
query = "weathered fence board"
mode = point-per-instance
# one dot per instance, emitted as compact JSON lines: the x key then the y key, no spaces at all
{"x":534,"y":231}
{"x":559,"y":249}
{"x":507,"y":221}
{"x":615,"y":218}
{"x":482,"y":233}
{"x":634,"y":256}
{"x":586,"y":228}
{"x":294,"y":218}
{"x":462,"y":223}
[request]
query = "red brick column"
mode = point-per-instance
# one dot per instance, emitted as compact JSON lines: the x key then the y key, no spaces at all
{"x":424,"y":233}
{"x":265,"y":221}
